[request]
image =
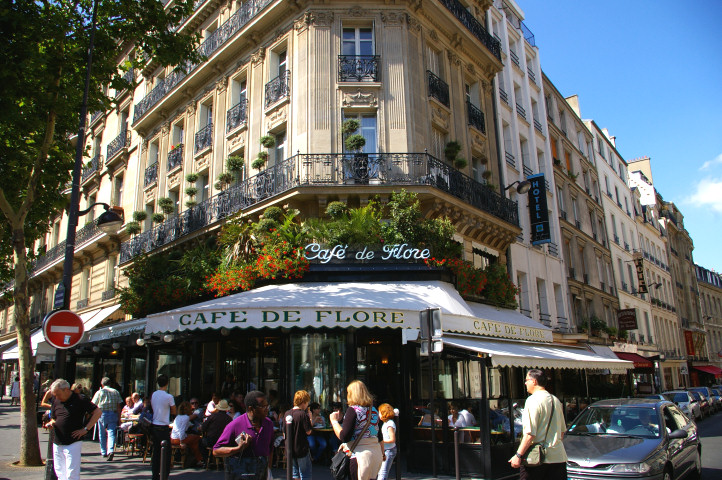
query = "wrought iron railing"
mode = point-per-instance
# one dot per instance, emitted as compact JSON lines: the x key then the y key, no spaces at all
{"x":538,"y":126}
{"x":527,"y":170}
{"x":531,"y":74}
{"x":95,"y":116}
{"x":108,"y":294}
{"x":553,"y":249}
{"x":438,"y":88}
{"x":151,"y":175}
{"x":93,"y":165}
{"x":510,"y":159}
{"x":248,"y":10}
{"x":520,"y":111}
{"x":119,"y":143}
{"x":474,"y":26}
{"x":175,"y":157}
{"x":358,"y":68}
{"x":237,"y":115}
{"x":83,"y":235}
{"x":514,"y":57}
{"x":203,"y":138}
{"x":278,"y":88}
{"x":396,"y":169}
{"x":475,"y":117}
{"x":503,"y":95}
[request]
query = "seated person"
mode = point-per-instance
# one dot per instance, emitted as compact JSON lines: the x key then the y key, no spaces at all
{"x":455,"y":419}
{"x":645,"y":422}
{"x":126,"y":414}
{"x":426,"y":419}
{"x":197,"y":415}
{"x":468,"y":417}
{"x":211,"y":407}
{"x":137,"y":403}
{"x":317,"y":441}
{"x":213,"y":427}
{"x":180,"y":436}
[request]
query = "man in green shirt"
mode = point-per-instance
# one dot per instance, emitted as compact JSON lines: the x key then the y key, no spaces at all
{"x":542,"y":409}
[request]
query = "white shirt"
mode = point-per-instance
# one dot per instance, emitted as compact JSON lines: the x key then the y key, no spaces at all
{"x":210,"y":408}
{"x":385,"y":429}
{"x":468,"y":417}
{"x":161,"y":401}
{"x":180,"y":426}
{"x":460,"y":421}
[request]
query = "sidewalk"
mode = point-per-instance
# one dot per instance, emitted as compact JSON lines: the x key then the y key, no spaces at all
{"x":94,"y":466}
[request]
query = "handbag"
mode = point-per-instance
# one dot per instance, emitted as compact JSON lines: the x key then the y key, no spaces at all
{"x":534,"y":456}
{"x":340,"y":463}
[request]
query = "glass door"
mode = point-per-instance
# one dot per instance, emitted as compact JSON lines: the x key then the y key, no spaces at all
{"x":317,"y":366}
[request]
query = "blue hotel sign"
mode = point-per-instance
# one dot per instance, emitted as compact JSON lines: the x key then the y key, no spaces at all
{"x":538,"y":212}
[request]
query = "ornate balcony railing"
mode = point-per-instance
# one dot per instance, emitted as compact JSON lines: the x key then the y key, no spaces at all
{"x":151,"y":175}
{"x":175,"y":157}
{"x":438,"y":88}
{"x":108,"y":294}
{"x":92,"y":166}
{"x":358,"y":68}
{"x":474,"y":26}
{"x":128,"y":76}
{"x":278,"y":88}
{"x":247,"y":11}
{"x":475,"y":117}
{"x":301,"y":170}
{"x":237,"y":115}
{"x":58,"y":251}
{"x":95,"y":116}
{"x":203,"y":138}
{"x":119,"y":143}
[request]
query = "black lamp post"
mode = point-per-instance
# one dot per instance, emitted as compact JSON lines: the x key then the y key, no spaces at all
{"x":522,"y":186}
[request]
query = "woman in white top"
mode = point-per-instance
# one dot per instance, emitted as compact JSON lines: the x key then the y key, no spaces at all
{"x":455,"y":419}
{"x":179,"y":434}
{"x":387,"y":414}
{"x":15,"y":392}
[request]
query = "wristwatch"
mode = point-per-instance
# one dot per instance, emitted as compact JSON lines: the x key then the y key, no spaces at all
{"x":517,"y":454}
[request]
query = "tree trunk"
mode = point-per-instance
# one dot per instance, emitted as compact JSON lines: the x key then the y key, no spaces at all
{"x":29,"y":441}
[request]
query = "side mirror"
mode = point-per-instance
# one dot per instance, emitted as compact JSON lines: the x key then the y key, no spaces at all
{"x":679,"y":433}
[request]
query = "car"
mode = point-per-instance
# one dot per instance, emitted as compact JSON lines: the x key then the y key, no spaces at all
{"x":686,"y":402}
{"x":714,"y":403}
{"x":632,"y":438}
{"x":718,"y":394}
{"x":703,"y":403}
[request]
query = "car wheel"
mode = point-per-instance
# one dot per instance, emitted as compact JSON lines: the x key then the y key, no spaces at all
{"x":697,"y":471}
{"x":667,"y":474}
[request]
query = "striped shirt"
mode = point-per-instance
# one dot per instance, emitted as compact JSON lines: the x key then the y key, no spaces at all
{"x":107,"y":399}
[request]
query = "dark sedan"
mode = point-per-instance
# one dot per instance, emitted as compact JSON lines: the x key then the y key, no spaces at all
{"x":632,"y":438}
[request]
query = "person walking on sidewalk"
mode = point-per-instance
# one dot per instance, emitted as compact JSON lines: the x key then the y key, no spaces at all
{"x":300,"y":429}
{"x":110,"y":402}
{"x":542,"y":422}
{"x":163,"y":406}
{"x":68,"y":411}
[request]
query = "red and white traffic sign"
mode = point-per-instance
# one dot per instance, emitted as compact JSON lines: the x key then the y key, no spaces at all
{"x":63,"y":329}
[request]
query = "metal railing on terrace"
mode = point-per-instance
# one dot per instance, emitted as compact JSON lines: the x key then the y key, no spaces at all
{"x":278,"y":88}
{"x":438,"y":88}
{"x":397,"y":169}
{"x":175,"y":157}
{"x":474,"y":26}
{"x":151,"y":175}
{"x":117,"y":144}
{"x":203,"y":138}
{"x":83,"y":235}
{"x":248,"y":10}
{"x":237,"y":115}
{"x":92,"y":166}
{"x":358,"y":68}
{"x":475,"y":117}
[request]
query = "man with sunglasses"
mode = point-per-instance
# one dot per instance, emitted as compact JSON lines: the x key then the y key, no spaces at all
{"x":247,"y":441}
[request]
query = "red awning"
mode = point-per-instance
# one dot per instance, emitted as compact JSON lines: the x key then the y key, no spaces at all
{"x":639,"y":361}
{"x":711,"y":369}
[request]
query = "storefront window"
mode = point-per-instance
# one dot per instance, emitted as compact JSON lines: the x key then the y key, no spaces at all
{"x":171,"y":364}
{"x":84,"y":372}
{"x":113,"y":369}
{"x":137,"y":376}
{"x":251,"y":363}
{"x":318,"y":367}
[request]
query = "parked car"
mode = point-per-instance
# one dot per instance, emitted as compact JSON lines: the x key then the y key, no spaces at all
{"x":703,"y":403}
{"x":706,"y":399}
{"x":718,"y":395}
{"x":686,"y":402}
{"x":632,"y":438}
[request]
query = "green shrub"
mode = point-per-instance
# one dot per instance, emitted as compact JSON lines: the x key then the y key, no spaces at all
{"x":132,"y":228}
{"x":191,"y":177}
{"x":157,"y":217}
{"x":460,"y":162}
{"x":268,"y":141}
{"x":451,"y":150}
{"x":336,"y":210}
{"x":235,"y":163}
{"x":273,"y":213}
{"x":139,"y":215}
{"x":191,"y":191}
{"x":355,"y":142}
{"x":258,"y":163}
{"x":166,"y":205}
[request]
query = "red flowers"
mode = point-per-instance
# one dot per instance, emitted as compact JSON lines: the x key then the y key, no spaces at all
{"x":492,"y":283}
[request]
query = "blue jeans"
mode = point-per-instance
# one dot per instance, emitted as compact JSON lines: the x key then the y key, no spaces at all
{"x":302,"y":467}
{"x":106,"y":425}
{"x":386,"y":465}
{"x":317,"y":443}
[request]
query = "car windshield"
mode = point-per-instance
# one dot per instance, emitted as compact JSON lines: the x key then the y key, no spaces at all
{"x":680,"y":397}
{"x":696,"y":396}
{"x":622,"y":420}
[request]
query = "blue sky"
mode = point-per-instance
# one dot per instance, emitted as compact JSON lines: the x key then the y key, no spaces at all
{"x":650,"y":72}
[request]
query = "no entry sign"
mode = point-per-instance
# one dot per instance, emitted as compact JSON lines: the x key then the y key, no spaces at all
{"x":63,"y":329}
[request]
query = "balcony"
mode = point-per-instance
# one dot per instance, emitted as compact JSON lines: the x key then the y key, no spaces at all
{"x":563,"y":214}
{"x":108,"y":294}
{"x":83,"y":235}
{"x":514,"y":57}
{"x":119,"y":143}
{"x":237,"y":115}
{"x":175,"y":157}
{"x":520,"y":111}
{"x":528,"y":35}
{"x":510,"y":159}
{"x":438,"y":88}
{"x":358,"y":68}
{"x":323,"y":170}
{"x":92,"y":167}
{"x":475,"y":117}
{"x":626,"y":246}
{"x":278,"y":88}
{"x":151,"y":175}
{"x":203,"y":138}
{"x":503,"y":95}
{"x":616,"y":239}
{"x":246,"y":12}
{"x":527,"y":170}
{"x":538,"y":126}
{"x":128,"y":76}
{"x":474,"y":26}
{"x":531,"y":74}
{"x":95,"y":116}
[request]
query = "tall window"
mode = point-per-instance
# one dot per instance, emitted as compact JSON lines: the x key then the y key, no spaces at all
{"x":279,"y":152}
{"x":434,"y":62}
{"x":85,"y":283}
{"x":438,"y":143}
{"x":282,"y":63}
{"x":368,"y":130}
{"x":117,"y":195}
{"x":110,"y":273}
{"x":205,"y":117}
{"x":358,"y":41}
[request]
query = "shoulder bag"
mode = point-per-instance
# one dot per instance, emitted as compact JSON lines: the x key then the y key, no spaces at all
{"x":341,"y":461}
{"x":535,"y":455}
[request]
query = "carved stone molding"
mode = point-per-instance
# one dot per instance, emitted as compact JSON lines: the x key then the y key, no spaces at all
{"x":357,"y":12}
{"x":277,"y":117}
{"x":149,"y":196}
{"x":164,"y":129}
{"x":434,"y":36}
{"x":203,"y":162}
{"x":440,"y":117}
{"x":453,"y":58}
{"x":191,"y":109}
{"x":478,"y":142}
{"x":144,"y":146}
{"x":321,"y":19}
{"x":302,"y":24}
{"x":259,"y":56}
{"x":471,"y":69}
{"x":414,"y":5}
{"x":359,"y":99}
{"x":238,"y":140}
{"x":222,"y":84}
{"x":414,"y":25}
{"x":393,"y":19}
{"x":174,"y":179}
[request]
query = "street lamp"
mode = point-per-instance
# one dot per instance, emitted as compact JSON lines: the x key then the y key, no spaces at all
{"x":522,"y":186}
{"x":109,"y":221}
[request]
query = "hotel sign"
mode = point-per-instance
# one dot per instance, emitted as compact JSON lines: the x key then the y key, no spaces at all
{"x":538,"y":211}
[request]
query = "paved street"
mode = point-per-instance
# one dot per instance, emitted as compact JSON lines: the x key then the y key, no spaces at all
{"x":96,"y":468}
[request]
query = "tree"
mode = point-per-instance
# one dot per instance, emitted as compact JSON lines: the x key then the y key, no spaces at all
{"x":45,"y":47}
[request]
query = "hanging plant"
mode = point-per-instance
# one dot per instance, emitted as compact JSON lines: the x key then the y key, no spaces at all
{"x":166,"y":205}
{"x":259,"y":162}
{"x":191,"y":191}
{"x":460,"y":162}
{"x":132,"y":228}
{"x":191,"y":203}
{"x":451,"y":150}
{"x":234,"y":163}
{"x":268,"y":141}
{"x":157,"y":217}
{"x":139,"y":215}
{"x":355,"y":142}
{"x":191,"y":177}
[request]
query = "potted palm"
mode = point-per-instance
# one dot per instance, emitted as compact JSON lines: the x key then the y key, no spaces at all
{"x":354,"y":143}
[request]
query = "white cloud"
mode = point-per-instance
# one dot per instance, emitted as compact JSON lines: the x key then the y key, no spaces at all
{"x":709,"y":163}
{"x":708,"y":194}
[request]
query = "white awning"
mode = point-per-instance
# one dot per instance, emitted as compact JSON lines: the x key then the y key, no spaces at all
{"x":99,"y":317}
{"x":348,"y":304}
{"x":116,"y":330}
{"x":529,"y":355}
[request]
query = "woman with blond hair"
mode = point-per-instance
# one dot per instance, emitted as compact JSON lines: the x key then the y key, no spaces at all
{"x":361,"y":421}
